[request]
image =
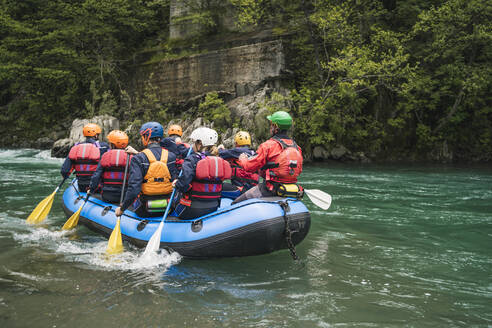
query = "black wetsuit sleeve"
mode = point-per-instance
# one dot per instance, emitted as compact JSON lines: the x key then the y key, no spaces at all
{"x":184,"y":181}
{"x":96,"y":178}
{"x":66,"y":167}
{"x":171,"y":165}
{"x":134,"y":181}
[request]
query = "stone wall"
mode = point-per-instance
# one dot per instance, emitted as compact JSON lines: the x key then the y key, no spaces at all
{"x":238,"y":70}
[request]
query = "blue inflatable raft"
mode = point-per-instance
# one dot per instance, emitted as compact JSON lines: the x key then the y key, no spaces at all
{"x":253,"y":227}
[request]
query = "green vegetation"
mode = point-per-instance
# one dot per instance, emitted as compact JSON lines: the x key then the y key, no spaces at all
{"x":393,"y":79}
{"x":390,"y":78}
{"x":213,"y":109}
{"x":65,"y":59}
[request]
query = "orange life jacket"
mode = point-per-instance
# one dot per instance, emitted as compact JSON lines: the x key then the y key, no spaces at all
{"x":287,"y":166}
{"x":157,"y":181}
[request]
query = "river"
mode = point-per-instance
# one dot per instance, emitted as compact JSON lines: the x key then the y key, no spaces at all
{"x":401,"y":246}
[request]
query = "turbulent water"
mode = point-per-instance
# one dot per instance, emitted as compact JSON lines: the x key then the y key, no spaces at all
{"x":401,"y":246}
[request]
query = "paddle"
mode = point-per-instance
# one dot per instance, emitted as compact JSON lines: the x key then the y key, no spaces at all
{"x":319,"y":198}
{"x":44,"y":207}
{"x":115,"y":244}
{"x":74,"y":219}
{"x":155,"y":240}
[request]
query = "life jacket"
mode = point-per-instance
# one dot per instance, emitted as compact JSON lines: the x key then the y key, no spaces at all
{"x":241,"y":175}
{"x":157,"y":181}
{"x":209,"y":174}
{"x":287,"y":166}
{"x":84,"y":157}
{"x":114,"y":163}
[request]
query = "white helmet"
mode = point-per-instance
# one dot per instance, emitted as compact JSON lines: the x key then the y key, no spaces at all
{"x":207,"y":136}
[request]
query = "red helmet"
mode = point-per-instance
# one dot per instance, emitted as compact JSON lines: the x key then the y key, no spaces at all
{"x":118,"y":138}
{"x":91,"y":130}
{"x":175,"y":130}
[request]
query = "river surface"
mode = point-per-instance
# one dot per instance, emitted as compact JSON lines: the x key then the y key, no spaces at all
{"x":401,"y":246}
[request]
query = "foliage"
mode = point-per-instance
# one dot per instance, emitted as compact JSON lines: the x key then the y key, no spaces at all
{"x":214,"y":110}
{"x":387,"y":77}
{"x":51,"y":52}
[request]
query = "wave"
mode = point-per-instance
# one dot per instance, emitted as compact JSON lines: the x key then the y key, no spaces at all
{"x":26,"y":155}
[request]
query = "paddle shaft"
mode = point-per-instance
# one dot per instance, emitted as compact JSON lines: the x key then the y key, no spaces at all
{"x":124,"y":179}
{"x":61,"y":184}
{"x":174,"y":189}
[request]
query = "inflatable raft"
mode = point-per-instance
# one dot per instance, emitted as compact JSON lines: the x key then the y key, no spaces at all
{"x":253,"y":227}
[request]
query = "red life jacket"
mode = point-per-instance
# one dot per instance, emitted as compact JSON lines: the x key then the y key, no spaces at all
{"x":287,"y":166}
{"x":85,"y":158}
{"x":209,"y":174}
{"x":241,"y":175}
{"x":113,"y":162}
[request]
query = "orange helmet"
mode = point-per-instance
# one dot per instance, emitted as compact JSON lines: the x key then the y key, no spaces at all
{"x":175,"y":130}
{"x":91,"y":130}
{"x":118,"y":138}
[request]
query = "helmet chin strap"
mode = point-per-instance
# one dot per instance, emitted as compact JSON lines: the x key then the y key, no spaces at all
{"x":146,"y":136}
{"x":273,"y":128}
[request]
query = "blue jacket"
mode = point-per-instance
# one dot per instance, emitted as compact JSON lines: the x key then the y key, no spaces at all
{"x":235,"y":152}
{"x":189,"y":168}
{"x":180,"y":150}
{"x":139,"y":166}
{"x":67,"y":164}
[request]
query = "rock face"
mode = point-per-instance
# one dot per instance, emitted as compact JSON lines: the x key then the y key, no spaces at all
{"x":238,"y":70}
{"x":62,"y":146}
{"x":184,"y":13}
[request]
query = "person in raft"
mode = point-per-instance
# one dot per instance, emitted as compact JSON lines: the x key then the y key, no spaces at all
{"x":241,"y":178}
{"x":111,"y":168}
{"x":83,"y":157}
{"x":200,"y":184}
{"x":279,"y":159}
{"x":151,"y":173}
{"x":173,"y":143}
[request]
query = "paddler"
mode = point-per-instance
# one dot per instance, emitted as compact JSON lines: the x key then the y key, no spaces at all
{"x":84,"y":156}
{"x":111,"y":168}
{"x":241,"y":178}
{"x":151,"y":174}
{"x":279,"y":159}
{"x":203,"y":173}
{"x":173,"y":143}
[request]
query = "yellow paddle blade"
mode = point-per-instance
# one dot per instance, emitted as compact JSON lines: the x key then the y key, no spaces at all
{"x":73,"y":220}
{"x":115,"y":244}
{"x":42,"y":210}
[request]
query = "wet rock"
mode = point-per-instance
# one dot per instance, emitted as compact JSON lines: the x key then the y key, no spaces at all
{"x":43,"y":143}
{"x":61,"y":148}
{"x":320,"y":153}
{"x":338,"y":152}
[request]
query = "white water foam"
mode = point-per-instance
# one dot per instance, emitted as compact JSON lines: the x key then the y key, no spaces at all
{"x":93,"y":252}
{"x":26,"y":155}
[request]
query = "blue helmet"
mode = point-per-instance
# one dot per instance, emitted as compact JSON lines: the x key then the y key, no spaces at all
{"x":152,"y":130}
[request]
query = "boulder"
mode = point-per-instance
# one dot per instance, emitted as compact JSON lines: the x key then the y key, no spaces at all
{"x":43,"y":143}
{"x":320,"y":153}
{"x":61,"y":148}
{"x":338,"y":152}
{"x":106,"y":122}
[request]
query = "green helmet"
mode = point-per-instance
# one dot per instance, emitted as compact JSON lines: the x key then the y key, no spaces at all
{"x":281,"y":118}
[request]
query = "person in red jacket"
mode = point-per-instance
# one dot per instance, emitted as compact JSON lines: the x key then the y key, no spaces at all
{"x":280,"y":160}
{"x":84,"y":156}
{"x":111,"y":168}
